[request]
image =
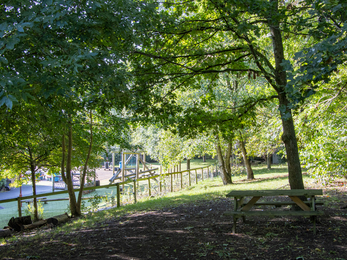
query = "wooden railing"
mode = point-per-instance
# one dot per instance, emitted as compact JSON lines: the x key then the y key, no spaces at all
{"x":118,"y":186}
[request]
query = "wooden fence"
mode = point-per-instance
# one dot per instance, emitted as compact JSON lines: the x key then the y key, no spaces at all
{"x":134,"y":182}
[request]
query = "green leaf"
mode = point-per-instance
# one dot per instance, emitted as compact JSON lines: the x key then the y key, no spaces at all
{"x":2,"y":101}
{"x":3,"y":26}
{"x":3,"y":60}
{"x":12,"y":42}
{"x":20,"y":28}
{"x":8,"y":103}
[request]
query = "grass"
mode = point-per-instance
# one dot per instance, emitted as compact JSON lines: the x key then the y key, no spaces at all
{"x":54,"y":208}
{"x":208,"y":189}
{"x":270,"y":238}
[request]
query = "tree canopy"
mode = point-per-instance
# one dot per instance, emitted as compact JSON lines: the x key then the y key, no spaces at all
{"x":208,"y":70}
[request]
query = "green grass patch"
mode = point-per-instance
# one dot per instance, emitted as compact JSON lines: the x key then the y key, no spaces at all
{"x":209,"y":189}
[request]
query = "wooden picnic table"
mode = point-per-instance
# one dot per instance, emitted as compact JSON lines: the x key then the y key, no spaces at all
{"x":243,"y":209}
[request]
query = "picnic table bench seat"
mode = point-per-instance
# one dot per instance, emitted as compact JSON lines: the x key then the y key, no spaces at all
{"x":274,"y":213}
{"x":282,"y":203}
{"x":243,"y":209}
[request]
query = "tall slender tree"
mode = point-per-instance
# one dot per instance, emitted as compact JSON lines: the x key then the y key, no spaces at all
{"x":214,"y":37}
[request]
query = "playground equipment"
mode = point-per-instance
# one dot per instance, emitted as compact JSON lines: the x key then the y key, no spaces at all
{"x":59,"y":184}
{"x":125,"y":172}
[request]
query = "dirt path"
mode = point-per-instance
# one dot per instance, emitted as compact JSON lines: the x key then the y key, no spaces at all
{"x":197,"y":231}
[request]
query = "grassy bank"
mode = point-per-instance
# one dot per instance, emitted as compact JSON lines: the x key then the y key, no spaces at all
{"x":209,"y":189}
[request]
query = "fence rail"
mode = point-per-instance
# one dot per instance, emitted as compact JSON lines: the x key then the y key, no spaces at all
{"x":128,"y":191}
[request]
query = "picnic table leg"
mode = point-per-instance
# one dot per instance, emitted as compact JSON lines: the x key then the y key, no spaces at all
{"x":299,"y":202}
{"x":304,"y":207}
{"x":314,"y":225}
{"x":250,"y":203}
{"x":314,"y":219}
{"x":234,"y":224}
{"x":237,"y":205}
{"x":313,"y":203}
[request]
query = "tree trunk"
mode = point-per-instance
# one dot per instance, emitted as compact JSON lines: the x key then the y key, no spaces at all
{"x":204,"y":158}
{"x":82,"y":180}
{"x":268,"y":160}
{"x":227,"y":158}
{"x":33,"y":180}
{"x":36,"y":215}
{"x":68,"y":176}
{"x":250,"y":174}
{"x":223,"y":163}
{"x":288,"y":137}
{"x":63,"y":160}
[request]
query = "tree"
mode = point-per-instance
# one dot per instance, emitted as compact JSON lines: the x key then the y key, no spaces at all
{"x":168,"y":148}
{"x":26,"y":143}
{"x":70,"y":55}
{"x":224,"y":159}
{"x":242,"y":144}
{"x":265,"y":133}
{"x":47,"y":45}
{"x":210,"y":38}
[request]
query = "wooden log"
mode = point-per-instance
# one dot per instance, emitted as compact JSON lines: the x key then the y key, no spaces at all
{"x":18,"y":223}
{"x":58,"y":219}
{"x":36,"y":224}
{"x":5,"y":233}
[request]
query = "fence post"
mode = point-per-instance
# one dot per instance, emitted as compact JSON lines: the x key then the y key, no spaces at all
{"x":181,"y":180}
{"x":118,"y":196}
{"x":160,"y":179}
{"x":135,"y":192}
{"x":19,"y":207}
{"x":171,"y":182}
{"x":149,"y":187}
{"x":202,"y":174}
{"x":196,"y":176}
{"x":190,"y":179}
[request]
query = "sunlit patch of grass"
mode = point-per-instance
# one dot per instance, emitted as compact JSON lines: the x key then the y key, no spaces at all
{"x":209,"y":189}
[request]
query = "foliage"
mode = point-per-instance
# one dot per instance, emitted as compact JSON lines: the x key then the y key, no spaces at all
{"x":199,"y":42}
{"x":264,"y":135}
{"x":46,"y":47}
{"x":321,"y":130}
{"x":110,"y":197}
{"x":238,"y":171}
{"x":26,"y":142}
{"x":30,"y":210}
{"x":315,"y":64}
{"x":69,"y":58}
{"x":94,"y":202}
{"x":169,"y":148}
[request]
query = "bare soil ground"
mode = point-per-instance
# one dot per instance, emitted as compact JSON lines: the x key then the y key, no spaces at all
{"x":196,"y":231}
